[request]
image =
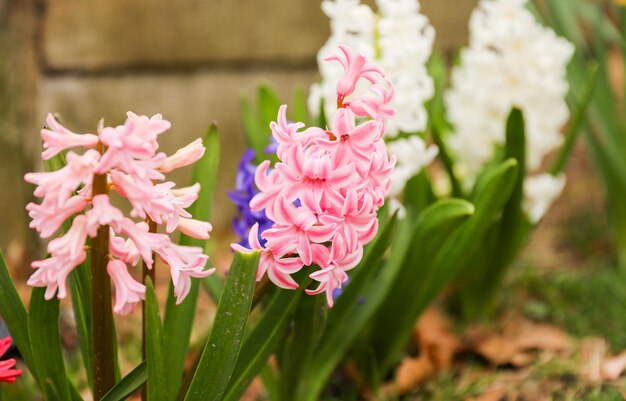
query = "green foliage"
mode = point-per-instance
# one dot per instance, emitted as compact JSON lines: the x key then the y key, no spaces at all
{"x":129,"y":384}
{"x":257,"y":124}
{"x":221,"y":350}
{"x":179,"y":319}
{"x":606,"y":115}
{"x":262,"y":341}
{"x":157,"y":387}
{"x":45,"y":343}
{"x":505,"y":235}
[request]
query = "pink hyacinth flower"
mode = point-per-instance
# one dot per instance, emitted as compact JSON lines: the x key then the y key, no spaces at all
{"x":128,"y":292}
{"x":52,"y":273}
{"x":145,"y":241}
{"x":58,"y":186}
{"x":378,"y":106}
{"x":185,"y":262}
{"x":57,"y":138}
{"x":102,"y":213}
{"x":195,"y":228}
{"x":286,"y":134}
{"x":278,"y":269}
{"x":315,"y":180}
{"x":8,"y":373}
{"x":184,"y":157}
{"x":48,"y":217}
{"x":295,"y":230}
{"x":356,"y":66}
{"x":354,"y":144}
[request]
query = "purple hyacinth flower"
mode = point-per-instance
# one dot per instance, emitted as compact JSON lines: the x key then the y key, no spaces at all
{"x":242,"y":194}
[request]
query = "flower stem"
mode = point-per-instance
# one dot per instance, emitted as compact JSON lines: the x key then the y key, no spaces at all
{"x":147,"y":273}
{"x":102,"y":311}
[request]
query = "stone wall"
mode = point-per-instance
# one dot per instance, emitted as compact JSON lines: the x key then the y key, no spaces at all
{"x":190,"y":60}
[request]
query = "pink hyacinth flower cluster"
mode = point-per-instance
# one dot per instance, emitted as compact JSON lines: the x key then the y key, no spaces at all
{"x":127,"y":157}
{"x":324,"y":193}
{"x":8,"y":373}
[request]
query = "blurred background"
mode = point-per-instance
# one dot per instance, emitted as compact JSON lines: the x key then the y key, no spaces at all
{"x":189,"y":60}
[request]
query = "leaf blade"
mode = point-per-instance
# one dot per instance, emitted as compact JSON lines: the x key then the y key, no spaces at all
{"x":178,"y":319}
{"x":222,"y":348}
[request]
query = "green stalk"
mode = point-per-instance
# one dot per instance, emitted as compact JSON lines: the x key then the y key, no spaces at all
{"x":146,"y":274}
{"x":102,"y":310}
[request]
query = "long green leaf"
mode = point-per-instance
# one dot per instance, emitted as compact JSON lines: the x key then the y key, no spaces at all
{"x":261,"y":342}
{"x":45,"y":340}
{"x":268,"y":103}
{"x":222,"y":348}
{"x":491,"y":193}
{"x":301,"y":345}
{"x":582,"y":101}
{"x":508,"y":232}
{"x":158,"y":389}
{"x":15,"y":316}
{"x":300,"y":111}
{"x":129,"y":384}
{"x":179,"y":319}
{"x":435,"y":226}
{"x":252,"y":128}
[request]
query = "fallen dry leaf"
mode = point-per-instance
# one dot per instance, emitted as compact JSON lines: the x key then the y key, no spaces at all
{"x":437,"y":345}
{"x":512,"y":344}
{"x":593,"y":351}
{"x":413,"y":371}
{"x":613,"y":367}
{"x":434,"y":336}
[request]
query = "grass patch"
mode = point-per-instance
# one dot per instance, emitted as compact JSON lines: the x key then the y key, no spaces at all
{"x":585,"y":303}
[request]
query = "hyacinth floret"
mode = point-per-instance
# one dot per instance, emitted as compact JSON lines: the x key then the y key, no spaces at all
{"x":126,"y":156}
{"x":323,"y":194}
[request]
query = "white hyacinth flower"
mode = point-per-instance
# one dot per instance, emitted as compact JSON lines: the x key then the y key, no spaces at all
{"x":539,"y":193}
{"x":512,"y":61}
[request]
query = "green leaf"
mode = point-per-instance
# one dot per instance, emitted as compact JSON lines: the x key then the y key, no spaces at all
{"x":412,"y":289}
{"x":221,"y":351}
{"x":54,"y":163}
{"x":300,"y":111}
{"x":437,"y":130}
{"x":261,"y":342}
{"x":45,"y":340}
{"x":15,"y":316}
{"x":301,"y":345}
{"x":158,"y":389}
{"x":129,"y":384}
{"x":268,"y":103}
{"x":491,"y":193}
{"x":252,"y":128}
{"x":179,"y":319}
{"x":577,"y":119}
{"x":506,"y":235}
{"x":80,"y":288}
{"x":418,"y":193}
